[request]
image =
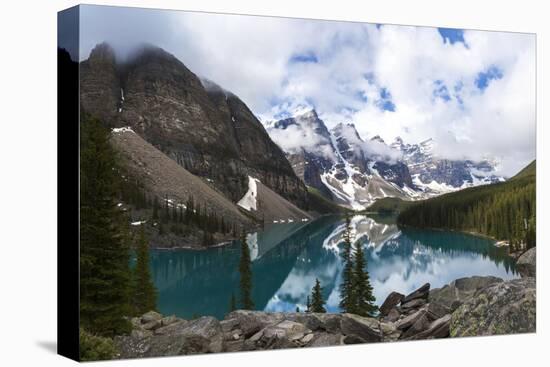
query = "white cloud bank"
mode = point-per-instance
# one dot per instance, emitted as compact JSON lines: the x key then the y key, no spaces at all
{"x":268,"y":62}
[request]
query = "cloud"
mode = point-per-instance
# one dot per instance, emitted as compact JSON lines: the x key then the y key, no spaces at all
{"x":473,"y":92}
{"x":296,"y":138}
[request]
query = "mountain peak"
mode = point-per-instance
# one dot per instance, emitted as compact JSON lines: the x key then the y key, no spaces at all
{"x":378,"y":139}
{"x":102,"y":52}
{"x":307,"y":113}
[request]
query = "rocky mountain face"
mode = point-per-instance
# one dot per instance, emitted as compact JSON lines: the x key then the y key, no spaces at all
{"x":165,"y":179}
{"x":204,"y":128}
{"x":355,"y":172}
{"x":436,"y":176}
{"x":339,"y":163}
{"x":465,"y":307}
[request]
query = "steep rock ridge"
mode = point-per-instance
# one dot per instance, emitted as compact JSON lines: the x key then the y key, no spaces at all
{"x":100,"y":88}
{"x":436,"y":176}
{"x":208,"y":131}
{"x":315,"y":156}
{"x":337,"y":162}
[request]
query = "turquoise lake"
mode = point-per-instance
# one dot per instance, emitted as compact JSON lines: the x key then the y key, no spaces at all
{"x":286,"y":259}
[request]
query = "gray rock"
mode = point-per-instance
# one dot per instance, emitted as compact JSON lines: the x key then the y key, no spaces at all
{"x":331,"y":322}
{"x":139,"y":334}
{"x":172,"y":328}
{"x":455,"y":293}
{"x":502,"y":308}
{"x":250,"y":322}
{"x":393,"y":315}
{"x":150,"y":316}
{"x":422,"y":292}
{"x":286,"y":329}
{"x":527,"y":263}
{"x":203,"y":335}
{"x":306,"y":339}
{"x":437,"y":329}
{"x":437,"y":311}
{"x":366,"y":328}
{"x":409,"y":320}
{"x":326,"y":340}
{"x":421,"y":324}
{"x":234,"y":346}
{"x":353,"y":339}
{"x":393,"y":299}
{"x":168,"y":320}
{"x":389,"y":331}
{"x":310,"y":320}
{"x":228,"y":325}
{"x":414,"y":304}
{"x":152,"y":325}
{"x":285,"y":334}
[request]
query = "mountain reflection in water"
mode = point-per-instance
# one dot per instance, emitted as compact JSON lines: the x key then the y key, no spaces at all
{"x":288,"y":257}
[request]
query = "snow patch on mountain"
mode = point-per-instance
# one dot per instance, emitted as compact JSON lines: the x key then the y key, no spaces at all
{"x":249,"y":200}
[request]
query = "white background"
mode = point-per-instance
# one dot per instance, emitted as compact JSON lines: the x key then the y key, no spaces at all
{"x":28,"y":182}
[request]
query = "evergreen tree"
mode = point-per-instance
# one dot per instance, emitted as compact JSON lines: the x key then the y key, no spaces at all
{"x":308,"y":304}
{"x":245,"y":270}
{"x":232,"y":303}
{"x":144,"y":292}
{"x":347,"y":296}
{"x":361,"y":285}
{"x":104,"y":252}
{"x":317,"y":302}
{"x":155,"y":208}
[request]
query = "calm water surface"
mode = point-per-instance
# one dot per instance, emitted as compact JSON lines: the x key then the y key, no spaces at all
{"x":286,"y":259}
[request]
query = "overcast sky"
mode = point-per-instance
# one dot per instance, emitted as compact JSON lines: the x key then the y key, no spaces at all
{"x":473,"y":92}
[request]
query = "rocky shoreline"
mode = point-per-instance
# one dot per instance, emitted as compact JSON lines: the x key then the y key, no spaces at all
{"x":465,"y":307}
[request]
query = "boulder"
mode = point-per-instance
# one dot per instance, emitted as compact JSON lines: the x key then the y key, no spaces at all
{"x":501,"y":308}
{"x":409,"y":320}
{"x":392,"y":300}
{"x":437,"y":329}
{"x":152,"y":325}
{"x":306,"y":339}
{"x":165,"y":321}
{"x":310,"y":320}
{"x":150,"y":316}
{"x":353,"y":339}
{"x":526,"y":264}
{"x":228,"y":325}
{"x":326,"y":340}
{"x":421,"y":324}
{"x":203,"y":335}
{"x":366,"y":328}
{"x":286,"y":329}
{"x":250,"y":322}
{"x":389,"y":331}
{"x":393,"y":315}
{"x":331,"y":322}
{"x":455,"y":293}
{"x":414,"y":304}
{"x":422,"y":292}
{"x":285,"y":334}
{"x":437,"y":311}
{"x":171,"y":328}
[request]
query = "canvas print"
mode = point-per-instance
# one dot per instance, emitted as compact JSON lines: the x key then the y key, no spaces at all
{"x":251,"y":183}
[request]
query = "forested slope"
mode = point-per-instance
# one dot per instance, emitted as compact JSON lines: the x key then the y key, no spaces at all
{"x":505,"y":211}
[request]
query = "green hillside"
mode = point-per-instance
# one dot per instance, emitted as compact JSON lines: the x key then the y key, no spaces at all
{"x":318,"y":203}
{"x":389,"y":205}
{"x":505,"y":211}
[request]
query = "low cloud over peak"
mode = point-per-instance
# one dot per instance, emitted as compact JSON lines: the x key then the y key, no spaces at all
{"x":473,"y":92}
